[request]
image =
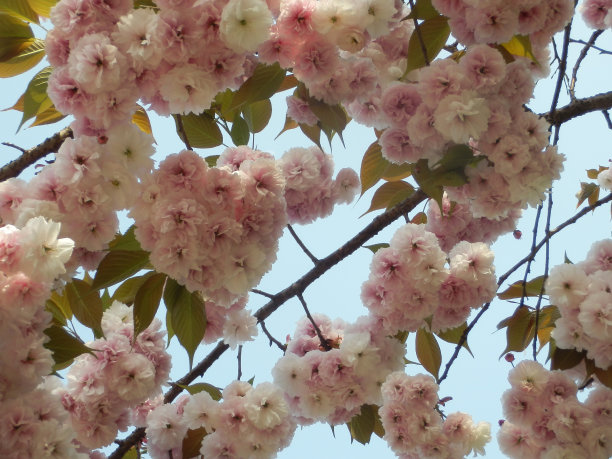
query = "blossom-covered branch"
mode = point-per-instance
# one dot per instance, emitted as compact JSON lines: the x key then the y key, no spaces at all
{"x":508,"y":273}
{"x":29,"y":157}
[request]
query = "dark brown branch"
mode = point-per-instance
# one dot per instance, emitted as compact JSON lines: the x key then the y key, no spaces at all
{"x":324,"y":344}
{"x":281,"y":346}
{"x":239,"y":357}
{"x":314,"y":259}
{"x":580,"y":107}
{"x":596,"y":48}
{"x":324,"y":265}
{"x":508,"y":273}
{"x":607,"y":118}
{"x":562,"y":68}
{"x":29,"y":157}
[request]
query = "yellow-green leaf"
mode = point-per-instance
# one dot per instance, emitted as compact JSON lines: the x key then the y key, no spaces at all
{"x":193,"y":442}
{"x":48,"y":116}
{"x":363,"y":425}
{"x":520,"y":330}
{"x":428,"y":352}
{"x":453,"y":336}
{"x":331,"y":116}
{"x":126,"y":292}
{"x":64,"y":345}
{"x":434,"y":33}
{"x":532,"y":288}
{"x":201,"y":130}
{"x":42,"y":7}
{"x":564,"y":359}
{"x":15,"y":36}
{"x":146,"y":301}
{"x":390,"y":194}
{"x":35,"y":98}
{"x":373,"y":166}
{"x":604,"y":376}
{"x":520,"y":45}
{"x":376,"y":247}
{"x":586,"y":191}
{"x":240,"y":131}
{"x":213,"y":391}
{"x":20,"y":9}
{"x":125,"y":241}
{"x":141,"y":119}
{"x":312,"y":132}
{"x":395,"y":172}
{"x":24,"y":60}
{"x":289,"y":124}
{"x":423,"y":9}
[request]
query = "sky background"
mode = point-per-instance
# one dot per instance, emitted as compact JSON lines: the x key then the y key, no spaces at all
{"x":475,"y":384}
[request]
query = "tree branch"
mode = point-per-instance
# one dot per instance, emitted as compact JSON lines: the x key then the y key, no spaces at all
{"x":377,"y":225}
{"x":29,"y":157}
{"x":579,"y":107}
{"x":308,"y":253}
{"x":508,"y":273}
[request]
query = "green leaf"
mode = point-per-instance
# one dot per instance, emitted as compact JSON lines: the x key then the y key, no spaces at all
{"x":201,"y":130}
{"x":564,"y":359}
{"x":240,"y":131}
{"x":15,"y":36}
{"x":332,"y":116}
{"x":193,"y":442}
{"x":141,"y":119}
{"x":453,"y":336}
{"x":126,"y":292}
{"x":289,"y":124}
{"x":118,"y":265}
{"x":47,"y":116}
{"x":19,"y":9}
{"x":263,"y":84}
{"x":604,"y":376}
{"x":373,"y":166}
{"x":390,"y":194}
{"x":64,"y":346}
{"x":566,"y":260}
{"x":35,"y":99}
{"x":376,"y":247}
{"x":395,"y":172}
{"x":428,"y":351}
{"x":423,"y":9}
{"x":213,"y":391}
{"x":146,"y":301}
{"x":61,"y":303}
{"x":313,"y":133}
{"x":188,"y":316}
{"x":211,"y":160}
{"x":362,"y":425}
{"x":532,"y":288}
{"x":257,"y":115}
{"x":520,"y":330}
{"x":125,"y":241}
{"x":434,"y":32}
{"x":85,"y":303}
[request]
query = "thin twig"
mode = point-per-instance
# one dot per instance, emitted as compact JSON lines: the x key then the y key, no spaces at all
{"x":607,"y":118}
{"x":596,"y":48}
{"x":534,"y":240}
{"x":181,"y":128}
{"x":511,"y":271}
{"x":324,"y":265}
{"x":562,"y":67}
{"x":281,"y":346}
{"x":586,"y":384}
{"x":16,"y":147}
{"x":581,"y":57}
{"x":262,"y":293}
{"x":29,"y":157}
{"x":417,"y":29}
{"x":314,"y":259}
{"x":324,"y":344}
{"x":239,"y":357}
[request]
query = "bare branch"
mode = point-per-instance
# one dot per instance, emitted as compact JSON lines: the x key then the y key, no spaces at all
{"x":324,"y":344}
{"x":579,"y":107}
{"x":596,"y":48}
{"x":314,"y":259}
{"x":607,"y":118}
{"x":29,"y":157}
{"x":281,"y":346}
{"x":581,"y":57}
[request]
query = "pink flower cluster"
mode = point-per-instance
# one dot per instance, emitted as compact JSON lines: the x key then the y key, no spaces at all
{"x":583,"y":294}
{"x":456,"y":223}
{"x":118,"y":374}
{"x":213,"y":229}
{"x":545,"y":420}
{"x":234,"y":324}
{"x":83,"y":189}
{"x":409,"y":281}
{"x":176,"y":57}
{"x":597,"y":13}
{"x":310,"y":191}
{"x":252,"y":422}
{"x":497,"y":21}
{"x":331,"y":385}
{"x":414,"y":428}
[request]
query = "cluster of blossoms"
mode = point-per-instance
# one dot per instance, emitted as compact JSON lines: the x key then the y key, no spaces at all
{"x":583,"y":294}
{"x":409,"y":281}
{"x":414,"y":428}
{"x":213,"y":229}
{"x":32,"y":419}
{"x":253,"y":422}
{"x":310,"y":191}
{"x":455,"y":223}
{"x":118,"y":374}
{"x":83,"y":188}
{"x":545,"y":420}
{"x":330,"y":382}
{"x":597,"y":13}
